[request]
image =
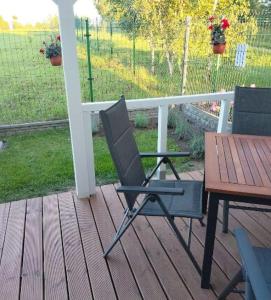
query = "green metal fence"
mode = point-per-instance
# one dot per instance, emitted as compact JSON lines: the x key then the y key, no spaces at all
{"x":113,"y":63}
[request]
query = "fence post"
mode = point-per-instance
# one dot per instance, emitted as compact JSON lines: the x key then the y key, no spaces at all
{"x":185,"y":54}
{"x":223,"y":116}
{"x":111,"y":38}
{"x":162,"y":137}
{"x":90,"y":79}
{"x":134,"y":45}
{"x":97,"y":35}
{"x":82,"y":29}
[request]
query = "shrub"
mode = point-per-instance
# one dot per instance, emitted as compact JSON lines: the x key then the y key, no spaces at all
{"x":141,"y":120}
{"x":172,"y":118}
{"x":197,"y":146}
{"x":183,"y":129}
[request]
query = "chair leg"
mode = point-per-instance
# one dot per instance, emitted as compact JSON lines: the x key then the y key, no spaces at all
{"x":190,"y":233}
{"x":124,"y":226}
{"x":201,"y":222}
{"x":238,"y":277}
{"x":225,"y":216}
{"x":178,"y":234}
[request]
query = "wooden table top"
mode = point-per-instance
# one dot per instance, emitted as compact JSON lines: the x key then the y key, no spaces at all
{"x":238,"y":164}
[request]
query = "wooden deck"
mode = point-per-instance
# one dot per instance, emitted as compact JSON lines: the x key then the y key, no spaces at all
{"x":51,"y":248}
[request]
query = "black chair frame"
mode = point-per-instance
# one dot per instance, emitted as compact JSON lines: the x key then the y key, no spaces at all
{"x":153,"y":194}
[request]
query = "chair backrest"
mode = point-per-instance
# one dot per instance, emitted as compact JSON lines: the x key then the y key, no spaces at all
{"x":123,"y":148}
{"x":252,"y":111}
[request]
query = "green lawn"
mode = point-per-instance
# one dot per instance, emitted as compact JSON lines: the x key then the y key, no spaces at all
{"x":32,"y":90}
{"x":35,"y":164}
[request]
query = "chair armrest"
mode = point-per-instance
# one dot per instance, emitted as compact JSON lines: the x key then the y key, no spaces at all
{"x":150,"y":190}
{"x":164,"y":154}
{"x":251,"y":266}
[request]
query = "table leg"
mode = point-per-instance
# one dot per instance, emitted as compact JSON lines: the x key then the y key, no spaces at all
{"x":225,"y":216}
{"x":209,"y":240}
{"x":204,"y":197}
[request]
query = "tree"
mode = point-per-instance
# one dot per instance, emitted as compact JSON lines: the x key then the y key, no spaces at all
{"x":3,"y":24}
{"x":161,"y":22}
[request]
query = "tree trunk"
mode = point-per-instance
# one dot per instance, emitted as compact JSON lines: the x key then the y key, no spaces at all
{"x":152,"y":60}
{"x":169,"y":57}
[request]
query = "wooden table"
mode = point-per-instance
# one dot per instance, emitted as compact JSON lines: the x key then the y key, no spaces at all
{"x":237,"y":168}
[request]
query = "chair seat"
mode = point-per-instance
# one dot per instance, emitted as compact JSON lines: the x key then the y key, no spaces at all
{"x":187,"y":205}
{"x":264,"y":259}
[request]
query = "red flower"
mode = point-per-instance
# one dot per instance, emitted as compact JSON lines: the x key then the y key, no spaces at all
{"x":211,"y":19}
{"x":42,"y":50}
{"x":210,"y":27}
{"x":58,"y":37}
{"x":225,"y":24}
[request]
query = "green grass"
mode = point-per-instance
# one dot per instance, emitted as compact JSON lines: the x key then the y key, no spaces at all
{"x":36,"y":164}
{"x":32,"y":90}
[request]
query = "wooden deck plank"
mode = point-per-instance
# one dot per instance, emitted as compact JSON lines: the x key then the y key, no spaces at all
{"x":101,"y":284}
{"x":165,"y":271}
{"x":143,"y":272}
{"x":4,"y":213}
{"x":76,"y":269}
{"x":260,"y":233}
{"x":10,"y":268}
{"x":121,"y":274}
{"x":32,"y":268}
{"x":227,"y":263}
{"x":55,"y":282}
{"x":150,"y":247}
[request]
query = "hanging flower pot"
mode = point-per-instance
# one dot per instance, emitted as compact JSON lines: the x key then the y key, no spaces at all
{"x":219,"y":48}
{"x":56,"y":60}
{"x":218,"y":39}
{"x":52,"y":50}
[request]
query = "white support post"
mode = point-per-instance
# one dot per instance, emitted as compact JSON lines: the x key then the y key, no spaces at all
{"x":83,"y":164}
{"x":87,"y":117}
{"x":162,"y":137}
{"x":223,"y":116}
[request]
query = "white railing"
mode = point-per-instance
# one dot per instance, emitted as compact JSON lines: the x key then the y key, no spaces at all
{"x":162,"y":104}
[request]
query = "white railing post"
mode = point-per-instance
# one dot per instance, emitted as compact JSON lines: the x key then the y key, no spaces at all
{"x":162,"y":137}
{"x":87,"y":117}
{"x":223,"y":116}
{"x":81,"y":161}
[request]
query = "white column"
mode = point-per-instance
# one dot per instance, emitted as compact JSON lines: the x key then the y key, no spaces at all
{"x":83,"y":164}
{"x":223,"y":116}
{"x":162,"y":137}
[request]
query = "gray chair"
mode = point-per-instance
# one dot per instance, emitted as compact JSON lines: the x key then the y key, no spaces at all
{"x":170,"y":199}
{"x":255,"y":271}
{"x":252,"y":116}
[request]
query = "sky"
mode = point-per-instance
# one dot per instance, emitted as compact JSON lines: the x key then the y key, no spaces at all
{"x":31,"y":11}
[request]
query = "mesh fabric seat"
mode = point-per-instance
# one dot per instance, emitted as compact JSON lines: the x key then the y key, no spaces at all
{"x":252,"y":116}
{"x":174,"y":198}
{"x":186,"y":205}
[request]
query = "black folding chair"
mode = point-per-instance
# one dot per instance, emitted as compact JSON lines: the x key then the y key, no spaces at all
{"x":252,"y":116}
{"x":255,"y":271}
{"x":170,"y":199}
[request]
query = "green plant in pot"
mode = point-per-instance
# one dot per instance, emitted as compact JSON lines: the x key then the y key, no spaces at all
{"x":52,"y":50}
{"x":218,"y":39}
